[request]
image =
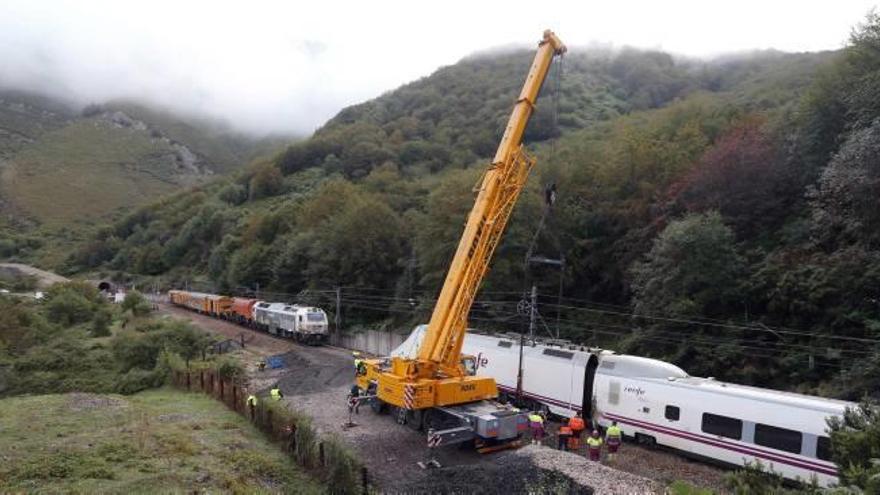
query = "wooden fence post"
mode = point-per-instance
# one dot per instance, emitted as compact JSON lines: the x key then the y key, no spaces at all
{"x":365,"y":482}
{"x":269,"y":419}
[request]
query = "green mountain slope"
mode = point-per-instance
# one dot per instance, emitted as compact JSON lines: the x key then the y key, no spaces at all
{"x":61,"y":170}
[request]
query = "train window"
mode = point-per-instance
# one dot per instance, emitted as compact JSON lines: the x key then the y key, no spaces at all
{"x":505,"y":344}
{"x":778,"y":438}
{"x":315,"y":317}
{"x":614,"y":393}
{"x":722,"y":425}
{"x":558,"y":353}
{"x":672,"y":413}
{"x":823,"y":448}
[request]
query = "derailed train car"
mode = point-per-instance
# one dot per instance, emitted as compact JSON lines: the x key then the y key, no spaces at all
{"x":307,"y":324}
{"x":659,"y":403}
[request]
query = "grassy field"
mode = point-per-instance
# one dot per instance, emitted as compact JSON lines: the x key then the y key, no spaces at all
{"x":87,"y":169}
{"x":160,"y":441}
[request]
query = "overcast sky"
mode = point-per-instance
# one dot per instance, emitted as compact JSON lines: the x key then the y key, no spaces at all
{"x":287,"y":66}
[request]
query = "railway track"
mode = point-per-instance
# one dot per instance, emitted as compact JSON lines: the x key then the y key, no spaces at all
{"x":316,"y":379}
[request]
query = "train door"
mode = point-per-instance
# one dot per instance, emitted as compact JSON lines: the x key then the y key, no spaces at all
{"x":589,"y":378}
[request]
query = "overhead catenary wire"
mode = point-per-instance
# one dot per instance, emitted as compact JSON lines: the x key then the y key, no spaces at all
{"x":367,"y":298}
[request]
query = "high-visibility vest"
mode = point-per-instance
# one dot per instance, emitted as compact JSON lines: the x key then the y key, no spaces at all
{"x":614,"y":431}
{"x":276,"y":394}
{"x":252,"y":400}
{"x":357,"y":363}
{"x":576,"y":424}
{"x":536,"y":418}
{"x":594,"y":443}
{"x":564,"y":430}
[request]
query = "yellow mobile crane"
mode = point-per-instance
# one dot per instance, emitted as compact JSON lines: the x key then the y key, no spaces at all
{"x":434,"y":390}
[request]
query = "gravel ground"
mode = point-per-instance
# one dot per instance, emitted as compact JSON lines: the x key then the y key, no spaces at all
{"x":600,"y":478}
{"x":665,"y":466}
{"x":316,"y":381}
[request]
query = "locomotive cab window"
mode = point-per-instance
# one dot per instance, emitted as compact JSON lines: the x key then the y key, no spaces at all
{"x":823,"y":448}
{"x":778,"y":438}
{"x":672,"y":413}
{"x":724,"y":426}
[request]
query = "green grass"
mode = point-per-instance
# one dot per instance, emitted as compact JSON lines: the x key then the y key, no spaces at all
{"x":87,"y":169}
{"x":685,"y":488}
{"x":157,"y":441}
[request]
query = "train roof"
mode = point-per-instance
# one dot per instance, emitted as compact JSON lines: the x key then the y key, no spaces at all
{"x":637,"y":366}
{"x":763,"y":394}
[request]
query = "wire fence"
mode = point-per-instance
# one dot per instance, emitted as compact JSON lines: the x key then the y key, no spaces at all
{"x":326,"y":458}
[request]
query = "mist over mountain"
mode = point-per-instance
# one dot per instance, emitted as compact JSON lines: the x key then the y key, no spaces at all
{"x":285,"y":68}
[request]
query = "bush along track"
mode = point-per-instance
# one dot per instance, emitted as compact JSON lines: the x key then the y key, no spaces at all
{"x":326,"y":457}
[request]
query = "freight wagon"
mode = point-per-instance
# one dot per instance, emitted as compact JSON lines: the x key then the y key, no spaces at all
{"x":243,"y":310}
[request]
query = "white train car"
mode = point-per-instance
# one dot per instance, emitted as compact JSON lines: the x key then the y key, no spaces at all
{"x":302,"y":323}
{"x":725,"y":422}
{"x":658,"y":402}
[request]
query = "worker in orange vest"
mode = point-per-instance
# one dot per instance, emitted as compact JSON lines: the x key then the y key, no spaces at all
{"x":564,"y":435}
{"x":577,"y":428}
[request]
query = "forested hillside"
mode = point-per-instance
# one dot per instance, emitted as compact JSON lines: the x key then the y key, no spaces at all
{"x":63,"y":169}
{"x":721,"y":214}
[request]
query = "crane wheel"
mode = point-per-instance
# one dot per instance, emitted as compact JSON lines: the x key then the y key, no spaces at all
{"x":414,"y":419}
{"x":378,"y":406}
{"x":399,"y":415}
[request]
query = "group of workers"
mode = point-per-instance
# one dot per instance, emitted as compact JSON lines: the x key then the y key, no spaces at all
{"x":275,"y":393}
{"x":570,"y":434}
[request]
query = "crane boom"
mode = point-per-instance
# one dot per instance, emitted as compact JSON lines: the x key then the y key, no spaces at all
{"x":436,"y":377}
{"x":498,"y":192}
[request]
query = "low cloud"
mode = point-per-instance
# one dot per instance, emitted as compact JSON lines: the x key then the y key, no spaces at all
{"x":286,"y":67}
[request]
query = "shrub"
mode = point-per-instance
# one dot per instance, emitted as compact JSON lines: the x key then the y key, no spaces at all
{"x":230,"y":369}
{"x":137,"y":380}
{"x":136,"y":303}
{"x":69,"y":308}
{"x":755,"y":479}
{"x":342,"y":471}
{"x":142,"y":349}
{"x":101,"y":323}
{"x":266,"y":181}
{"x":855,"y":444}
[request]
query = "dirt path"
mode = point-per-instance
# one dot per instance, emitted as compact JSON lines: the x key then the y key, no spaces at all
{"x":316,"y":381}
{"x":44,"y":279}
